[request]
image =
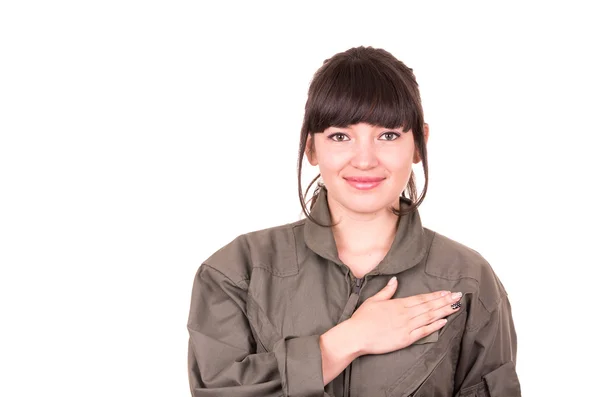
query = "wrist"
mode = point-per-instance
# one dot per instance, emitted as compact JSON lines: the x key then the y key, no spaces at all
{"x":339,"y":347}
{"x":340,"y":343}
{"x":353,"y":344}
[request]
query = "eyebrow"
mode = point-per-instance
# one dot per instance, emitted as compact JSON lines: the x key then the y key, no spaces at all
{"x":395,"y":129}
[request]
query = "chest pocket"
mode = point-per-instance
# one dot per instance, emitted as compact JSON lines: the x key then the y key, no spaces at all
{"x":432,"y":373}
{"x":432,"y":337}
{"x":502,"y":381}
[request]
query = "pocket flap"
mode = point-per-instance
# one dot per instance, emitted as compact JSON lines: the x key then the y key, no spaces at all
{"x":503,"y":381}
{"x":432,"y":337}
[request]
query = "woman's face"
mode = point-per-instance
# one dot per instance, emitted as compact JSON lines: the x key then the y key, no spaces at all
{"x":365,"y":168}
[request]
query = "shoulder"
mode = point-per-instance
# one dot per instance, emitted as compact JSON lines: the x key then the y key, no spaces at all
{"x":451,"y":260}
{"x":272,"y":249}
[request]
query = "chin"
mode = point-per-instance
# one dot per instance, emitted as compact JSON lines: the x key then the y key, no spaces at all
{"x":367,"y":205}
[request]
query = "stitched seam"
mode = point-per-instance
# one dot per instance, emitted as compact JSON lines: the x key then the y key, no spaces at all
{"x":429,"y":249}
{"x":459,"y":277}
{"x":483,"y":323}
{"x":268,"y":268}
{"x":224,"y":275}
{"x":259,"y":338}
{"x":194,"y":327}
{"x":296,"y":244}
{"x":472,"y":390}
{"x":274,"y":272}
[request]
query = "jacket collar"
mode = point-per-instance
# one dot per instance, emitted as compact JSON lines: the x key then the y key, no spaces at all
{"x":407,"y":250}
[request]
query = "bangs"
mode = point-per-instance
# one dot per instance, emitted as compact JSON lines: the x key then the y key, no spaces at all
{"x":364,"y":85}
{"x":352,"y":91}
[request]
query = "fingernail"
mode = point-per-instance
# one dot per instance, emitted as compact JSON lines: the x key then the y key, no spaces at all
{"x":456,"y":305}
{"x":392,"y":280}
{"x":456,"y":295}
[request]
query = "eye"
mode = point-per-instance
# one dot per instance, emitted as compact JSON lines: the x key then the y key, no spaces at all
{"x":390,"y":136}
{"x":338,"y":137}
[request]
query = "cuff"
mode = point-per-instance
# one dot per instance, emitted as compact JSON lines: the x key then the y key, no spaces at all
{"x":300,"y":366}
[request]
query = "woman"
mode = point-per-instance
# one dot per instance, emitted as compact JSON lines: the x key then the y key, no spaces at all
{"x":358,"y":299}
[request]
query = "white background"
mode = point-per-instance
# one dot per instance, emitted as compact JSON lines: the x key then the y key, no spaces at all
{"x":137,"y":137}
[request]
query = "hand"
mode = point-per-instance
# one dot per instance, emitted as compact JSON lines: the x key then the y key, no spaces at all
{"x":382,"y":324}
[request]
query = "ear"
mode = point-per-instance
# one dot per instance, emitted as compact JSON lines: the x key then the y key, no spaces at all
{"x":309,"y":151}
{"x":416,"y":156}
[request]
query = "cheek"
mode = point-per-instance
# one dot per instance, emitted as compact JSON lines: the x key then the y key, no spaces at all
{"x":333,"y":162}
{"x":397,"y":161}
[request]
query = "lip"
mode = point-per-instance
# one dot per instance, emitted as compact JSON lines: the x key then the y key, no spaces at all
{"x":364,"y":182}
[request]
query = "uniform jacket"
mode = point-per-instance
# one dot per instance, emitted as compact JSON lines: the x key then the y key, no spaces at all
{"x":260,"y":303}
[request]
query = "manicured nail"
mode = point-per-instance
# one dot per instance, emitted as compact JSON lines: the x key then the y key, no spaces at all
{"x":456,"y":305}
{"x":392,"y":280}
{"x":456,"y":295}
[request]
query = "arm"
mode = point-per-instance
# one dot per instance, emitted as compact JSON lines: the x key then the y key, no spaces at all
{"x":486,"y":366}
{"x":222,"y":358}
{"x":338,"y":350}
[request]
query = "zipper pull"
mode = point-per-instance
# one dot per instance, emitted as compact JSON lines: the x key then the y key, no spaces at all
{"x":359,"y":282}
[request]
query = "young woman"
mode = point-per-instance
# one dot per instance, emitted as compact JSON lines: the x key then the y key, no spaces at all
{"x":358,"y":299}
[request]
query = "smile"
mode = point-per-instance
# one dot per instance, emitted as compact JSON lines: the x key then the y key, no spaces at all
{"x":364,"y":183}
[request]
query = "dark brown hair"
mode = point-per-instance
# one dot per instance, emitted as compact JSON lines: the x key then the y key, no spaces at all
{"x":368,"y":85}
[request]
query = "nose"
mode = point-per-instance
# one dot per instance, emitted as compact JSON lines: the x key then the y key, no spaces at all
{"x":365,"y":156}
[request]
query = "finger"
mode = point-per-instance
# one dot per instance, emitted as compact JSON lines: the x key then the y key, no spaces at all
{"x":423,"y":298}
{"x":422,"y":332}
{"x":431,"y":316}
{"x":387,"y":292}
{"x":435,"y":304}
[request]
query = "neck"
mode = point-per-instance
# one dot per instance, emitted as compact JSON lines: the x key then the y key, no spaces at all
{"x":361,"y":234}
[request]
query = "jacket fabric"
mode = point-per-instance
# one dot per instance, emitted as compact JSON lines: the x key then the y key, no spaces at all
{"x":260,"y":303}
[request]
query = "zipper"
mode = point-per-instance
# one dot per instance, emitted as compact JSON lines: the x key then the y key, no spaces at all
{"x":356,"y":290}
{"x":359,"y":282}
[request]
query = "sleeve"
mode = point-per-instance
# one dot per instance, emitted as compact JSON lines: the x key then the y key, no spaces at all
{"x":222,"y":352}
{"x":486,"y":365}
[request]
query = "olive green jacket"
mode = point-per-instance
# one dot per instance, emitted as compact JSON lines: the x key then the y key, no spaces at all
{"x":260,"y":303}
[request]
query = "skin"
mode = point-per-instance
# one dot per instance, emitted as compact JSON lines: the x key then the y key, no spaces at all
{"x":363,"y":150}
{"x":366,"y":226}
{"x":364,"y":233}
